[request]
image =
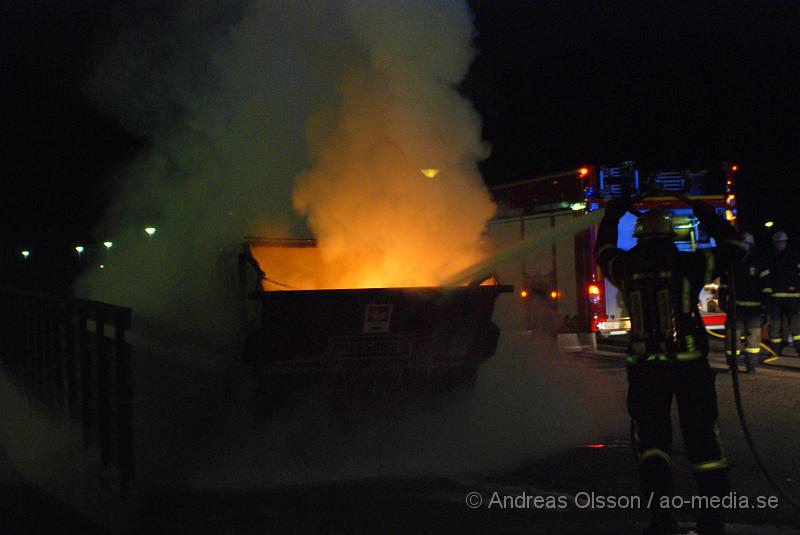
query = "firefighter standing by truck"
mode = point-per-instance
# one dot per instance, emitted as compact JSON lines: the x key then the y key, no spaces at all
{"x":783,"y":290}
{"x":667,"y":353}
{"x":749,"y":274}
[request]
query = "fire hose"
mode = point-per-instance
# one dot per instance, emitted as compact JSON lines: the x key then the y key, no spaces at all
{"x":731,"y":345}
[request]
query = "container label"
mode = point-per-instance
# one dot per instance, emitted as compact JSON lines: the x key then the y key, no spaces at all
{"x":377,"y":319}
{"x":370,"y":346}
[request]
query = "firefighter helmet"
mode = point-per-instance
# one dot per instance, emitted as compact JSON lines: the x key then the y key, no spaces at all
{"x":748,"y":238}
{"x":779,"y":236}
{"x":653,"y":223}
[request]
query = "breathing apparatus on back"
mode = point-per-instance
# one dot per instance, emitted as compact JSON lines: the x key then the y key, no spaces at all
{"x":650,"y":291}
{"x":655,"y":224}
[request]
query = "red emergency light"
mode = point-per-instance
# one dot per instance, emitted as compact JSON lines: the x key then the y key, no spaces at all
{"x":594,"y":293}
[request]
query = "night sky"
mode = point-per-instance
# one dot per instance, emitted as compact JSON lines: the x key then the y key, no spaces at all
{"x":661,"y":83}
{"x":57,"y":151}
{"x":559,"y":83}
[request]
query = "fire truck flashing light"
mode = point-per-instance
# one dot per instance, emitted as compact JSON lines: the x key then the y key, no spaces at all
{"x":594,"y":293}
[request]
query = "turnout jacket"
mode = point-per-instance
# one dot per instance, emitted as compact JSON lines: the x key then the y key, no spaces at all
{"x":660,"y":285}
{"x":751,"y":276}
{"x":783,"y":274}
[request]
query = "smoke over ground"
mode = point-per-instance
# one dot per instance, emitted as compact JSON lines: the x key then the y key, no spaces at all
{"x":40,"y":447}
{"x":287,"y":118}
{"x":529,"y":401}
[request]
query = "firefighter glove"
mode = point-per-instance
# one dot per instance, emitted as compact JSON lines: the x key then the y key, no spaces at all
{"x":617,"y":207}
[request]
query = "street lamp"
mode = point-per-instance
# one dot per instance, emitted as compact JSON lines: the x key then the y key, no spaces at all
{"x":769,"y":224}
{"x":108,"y":244}
{"x":25,"y":254}
{"x":79,"y":248}
{"x":150,"y":231}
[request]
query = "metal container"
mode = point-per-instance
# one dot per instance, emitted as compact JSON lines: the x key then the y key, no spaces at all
{"x":368,"y":347}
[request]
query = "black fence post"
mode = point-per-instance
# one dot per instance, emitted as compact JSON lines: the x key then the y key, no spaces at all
{"x":30,"y":350}
{"x":122,"y":351}
{"x":68,"y":314}
{"x":7,"y":313}
{"x":18,"y":336}
{"x":38,"y":337}
{"x":48,"y":351}
{"x":57,"y":327}
{"x":87,"y":397}
{"x":103,"y":387}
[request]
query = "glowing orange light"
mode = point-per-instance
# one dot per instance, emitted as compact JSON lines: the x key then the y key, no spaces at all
{"x":595,"y":446}
{"x":594,"y":289}
{"x":729,"y":215}
{"x":730,"y":199}
{"x":554,"y":294}
{"x":734,"y":168}
{"x":523,"y":294}
{"x":583,"y":171}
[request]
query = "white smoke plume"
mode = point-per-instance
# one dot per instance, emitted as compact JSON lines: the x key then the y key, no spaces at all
{"x":380,"y":221}
{"x":248,"y":112}
{"x":278,"y":118}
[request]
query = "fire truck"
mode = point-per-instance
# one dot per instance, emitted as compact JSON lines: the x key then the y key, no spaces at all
{"x":560,"y":285}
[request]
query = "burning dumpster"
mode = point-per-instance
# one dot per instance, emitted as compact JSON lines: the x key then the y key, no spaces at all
{"x":363,"y":346}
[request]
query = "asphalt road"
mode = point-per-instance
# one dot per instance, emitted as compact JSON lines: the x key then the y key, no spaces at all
{"x":554,"y":445}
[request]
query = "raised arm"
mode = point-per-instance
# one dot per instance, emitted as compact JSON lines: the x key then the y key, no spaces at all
{"x":606,"y":249}
{"x":730,"y":247}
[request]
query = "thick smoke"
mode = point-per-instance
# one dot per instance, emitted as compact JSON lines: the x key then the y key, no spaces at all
{"x":249,"y":112}
{"x":220,"y":97}
{"x":243,"y":106}
{"x":529,"y":401}
{"x":397,"y":112}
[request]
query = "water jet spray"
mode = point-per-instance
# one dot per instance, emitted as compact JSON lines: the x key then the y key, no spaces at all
{"x":485,"y":268}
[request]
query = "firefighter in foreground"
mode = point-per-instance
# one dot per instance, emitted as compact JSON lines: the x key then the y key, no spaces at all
{"x":783,"y":289}
{"x":667,"y":354}
{"x":749,"y":275}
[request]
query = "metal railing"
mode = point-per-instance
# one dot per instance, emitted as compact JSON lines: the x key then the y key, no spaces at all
{"x":70,"y":356}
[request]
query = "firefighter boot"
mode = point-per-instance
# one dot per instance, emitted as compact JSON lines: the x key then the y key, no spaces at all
{"x":712,"y":483}
{"x":750,"y":361}
{"x":656,"y":476}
